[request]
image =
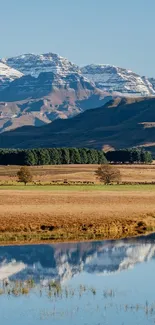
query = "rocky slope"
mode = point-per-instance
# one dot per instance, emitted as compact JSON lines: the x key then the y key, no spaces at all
{"x":115,"y":79}
{"x":35,"y":64}
{"x":39,"y":100}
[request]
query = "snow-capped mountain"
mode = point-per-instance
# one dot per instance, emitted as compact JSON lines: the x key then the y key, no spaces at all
{"x":35,"y":64}
{"x":36,"y":89}
{"x":7,"y":75}
{"x":106,"y":77}
{"x":115,"y":79}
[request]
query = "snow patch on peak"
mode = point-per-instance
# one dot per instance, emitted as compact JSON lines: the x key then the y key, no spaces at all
{"x":7,"y":74}
{"x":35,"y":64}
{"x":116,"y":79}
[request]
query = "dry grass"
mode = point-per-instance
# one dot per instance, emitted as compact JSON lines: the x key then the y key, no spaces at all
{"x":129,"y":173}
{"x":65,"y":215}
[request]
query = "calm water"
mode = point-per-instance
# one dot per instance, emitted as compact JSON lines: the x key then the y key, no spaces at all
{"x":108,"y":282}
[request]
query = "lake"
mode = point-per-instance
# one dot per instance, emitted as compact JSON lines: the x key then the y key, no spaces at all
{"x":106,"y":282}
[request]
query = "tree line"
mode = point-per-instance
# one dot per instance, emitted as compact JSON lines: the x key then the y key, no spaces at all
{"x":58,"y":156}
{"x":130,"y":156}
{"x":53,"y":156}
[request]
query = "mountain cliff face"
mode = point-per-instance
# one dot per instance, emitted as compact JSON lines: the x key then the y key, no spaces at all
{"x":41,"y":86}
{"x":35,"y":64}
{"x":40,"y":100}
{"x":115,"y":79}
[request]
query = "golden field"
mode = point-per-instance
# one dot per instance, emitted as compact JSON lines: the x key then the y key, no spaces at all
{"x":130,"y":173}
{"x":72,"y":215}
{"x":35,"y":213}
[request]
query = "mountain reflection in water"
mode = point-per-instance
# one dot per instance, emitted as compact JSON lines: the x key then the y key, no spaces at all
{"x":61,"y":262}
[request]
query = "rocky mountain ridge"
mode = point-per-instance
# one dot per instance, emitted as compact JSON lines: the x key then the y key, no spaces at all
{"x":106,"y":77}
{"x":37,"y":89}
{"x":31,"y":64}
{"x":116,"y":79}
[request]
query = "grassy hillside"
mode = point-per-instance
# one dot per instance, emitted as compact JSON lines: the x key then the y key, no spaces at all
{"x":120,"y":123}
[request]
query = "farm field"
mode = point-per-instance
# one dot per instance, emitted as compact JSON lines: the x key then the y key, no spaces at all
{"x":36,"y":213}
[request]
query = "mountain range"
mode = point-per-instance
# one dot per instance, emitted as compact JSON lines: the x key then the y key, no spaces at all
{"x":42,"y":88}
{"x":106,"y":77}
{"x":116,"y":105}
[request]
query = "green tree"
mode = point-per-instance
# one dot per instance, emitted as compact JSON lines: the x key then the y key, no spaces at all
{"x":101,"y":158}
{"x":148,"y":157}
{"x":83,"y":156}
{"x":29,"y":158}
{"x":94,"y":156}
{"x":54,"y":156}
{"x":89,"y":156}
{"x":65,"y":156}
{"x":43,"y":156}
{"x":74,"y":156}
{"x":145,"y":156}
{"x":24,"y":175}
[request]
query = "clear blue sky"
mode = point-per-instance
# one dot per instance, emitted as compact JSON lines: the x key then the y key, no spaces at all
{"x":119,"y":32}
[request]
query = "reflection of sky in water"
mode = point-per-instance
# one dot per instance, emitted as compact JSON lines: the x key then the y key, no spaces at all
{"x":126,"y":267}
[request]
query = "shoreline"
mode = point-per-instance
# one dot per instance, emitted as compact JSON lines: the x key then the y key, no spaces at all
{"x":70,"y":241}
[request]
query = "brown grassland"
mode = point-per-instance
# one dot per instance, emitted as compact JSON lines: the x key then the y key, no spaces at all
{"x":45,"y":174}
{"x":36,"y":213}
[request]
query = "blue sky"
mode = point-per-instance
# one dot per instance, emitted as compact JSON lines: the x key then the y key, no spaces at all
{"x":118,"y":32}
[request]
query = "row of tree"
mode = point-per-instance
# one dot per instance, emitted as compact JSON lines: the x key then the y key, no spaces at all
{"x":58,"y":156}
{"x":129,"y":156}
{"x":53,"y":156}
